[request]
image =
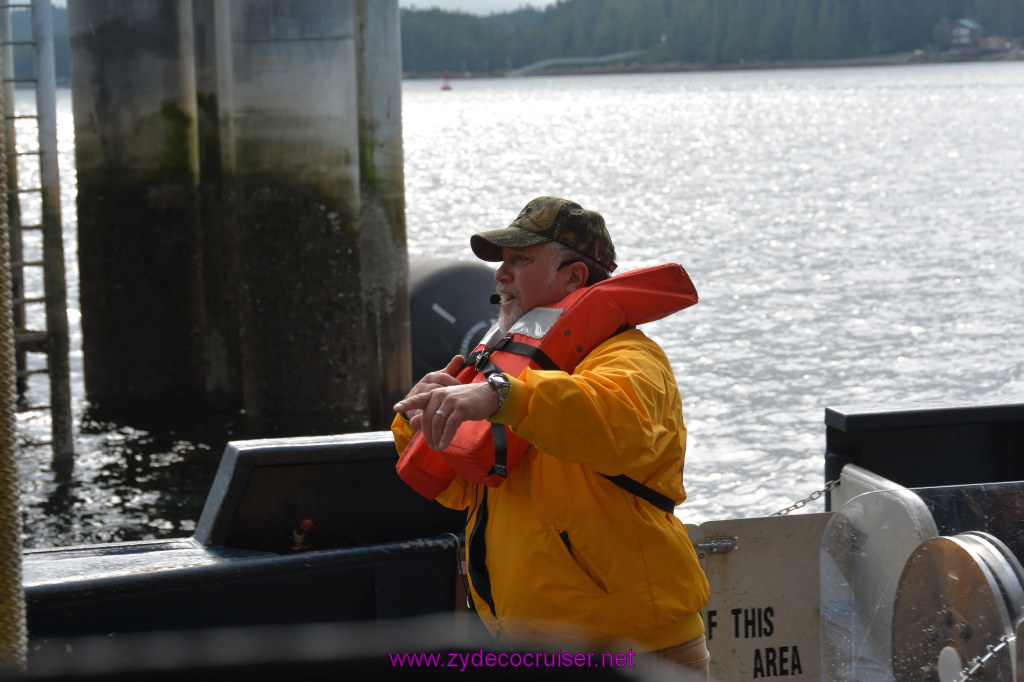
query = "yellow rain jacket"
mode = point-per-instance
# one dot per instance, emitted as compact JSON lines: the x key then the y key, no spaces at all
{"x":569,"y":554}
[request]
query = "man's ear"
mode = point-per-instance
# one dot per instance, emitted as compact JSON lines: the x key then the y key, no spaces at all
{"x":578,"y":274}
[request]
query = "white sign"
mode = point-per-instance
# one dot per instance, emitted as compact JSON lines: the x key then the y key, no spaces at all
{"x":761,"y":621}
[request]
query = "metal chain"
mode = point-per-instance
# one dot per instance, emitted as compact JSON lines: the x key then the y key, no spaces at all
{"x":810,"y":498}
{"x":978,"y":662}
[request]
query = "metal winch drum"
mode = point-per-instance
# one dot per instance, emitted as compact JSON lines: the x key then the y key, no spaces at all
{"x":958,"y":611}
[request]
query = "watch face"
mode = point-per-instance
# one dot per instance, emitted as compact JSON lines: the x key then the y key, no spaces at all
{"x":500,"y":383}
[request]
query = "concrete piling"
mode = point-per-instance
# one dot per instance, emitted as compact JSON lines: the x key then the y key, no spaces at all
{"x":136,"y":153}
{"x":212,"y":30}
{"x":279,"y":182}
{"x":296,"y":190}
{"x":382,"y":208}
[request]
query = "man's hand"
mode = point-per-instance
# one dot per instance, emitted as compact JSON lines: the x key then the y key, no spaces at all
{"x":446,"y":377}
{"x":460,"y":402}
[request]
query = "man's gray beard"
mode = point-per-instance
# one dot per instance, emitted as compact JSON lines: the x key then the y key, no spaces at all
{"x":509,"y":316}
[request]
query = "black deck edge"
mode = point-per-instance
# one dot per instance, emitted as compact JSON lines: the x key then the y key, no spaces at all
{"x":231,"y":568}
{"x":872,"y":417}
{"x":927,"y":445}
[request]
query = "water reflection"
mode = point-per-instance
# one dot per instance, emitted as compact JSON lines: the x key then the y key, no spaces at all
{"x":131,"y":484}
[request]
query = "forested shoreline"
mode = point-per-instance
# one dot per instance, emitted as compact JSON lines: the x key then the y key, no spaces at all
{"x":667,"y":34}
{"x":708,"y":33}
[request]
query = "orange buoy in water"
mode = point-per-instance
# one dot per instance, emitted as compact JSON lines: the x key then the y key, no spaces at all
{"x":447,"y":85}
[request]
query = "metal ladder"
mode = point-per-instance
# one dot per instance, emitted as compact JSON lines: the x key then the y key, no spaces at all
{"x":53,"y":341}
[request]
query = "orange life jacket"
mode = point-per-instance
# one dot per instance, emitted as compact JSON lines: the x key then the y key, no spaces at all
{"x":555,"y":337}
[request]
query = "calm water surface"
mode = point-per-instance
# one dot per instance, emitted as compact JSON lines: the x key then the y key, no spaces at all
{"x":855,"y":235}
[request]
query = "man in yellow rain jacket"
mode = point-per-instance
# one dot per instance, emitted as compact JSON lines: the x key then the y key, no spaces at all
{"x":559,"y":553}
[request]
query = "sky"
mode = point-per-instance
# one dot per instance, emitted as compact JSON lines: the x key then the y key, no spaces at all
{"x":482,"y":7}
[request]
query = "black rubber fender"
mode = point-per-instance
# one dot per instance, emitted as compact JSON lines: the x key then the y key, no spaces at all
{"x":449,"y":310}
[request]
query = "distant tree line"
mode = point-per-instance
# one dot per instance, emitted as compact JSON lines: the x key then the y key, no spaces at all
{"x":692,"y":31}
{"x":688,"y":31}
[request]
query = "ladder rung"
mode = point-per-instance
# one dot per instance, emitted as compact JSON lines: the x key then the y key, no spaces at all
{"x":16,"y":43}
{"x":31,"y":342}
{"x":24,"y":191}
{"x":22,"y":299}
{"x":18,"y":80}
{"x":26,"y":263}
{"x":15,"y":118}
{"x":30,"y":228}
{"x":11,"y":155}
{"x":29,"y":372}
{"x":28,"y":442}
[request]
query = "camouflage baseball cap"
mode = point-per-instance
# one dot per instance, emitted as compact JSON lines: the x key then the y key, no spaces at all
{"x":550,"y":219}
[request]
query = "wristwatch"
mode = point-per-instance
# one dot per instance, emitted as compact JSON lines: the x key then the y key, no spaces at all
{"x":499,"y":382}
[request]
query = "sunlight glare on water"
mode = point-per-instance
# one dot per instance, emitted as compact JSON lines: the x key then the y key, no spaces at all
{"x":854,"y":235}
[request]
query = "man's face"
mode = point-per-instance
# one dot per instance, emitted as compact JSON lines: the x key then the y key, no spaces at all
{"x":526,"y":279}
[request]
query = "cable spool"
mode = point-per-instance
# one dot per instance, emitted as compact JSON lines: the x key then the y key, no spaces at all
{"x":957,"y":597}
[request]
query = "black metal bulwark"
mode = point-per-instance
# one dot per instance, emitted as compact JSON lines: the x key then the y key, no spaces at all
{"x":928,"y":445}
{"x":372,"y":549}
